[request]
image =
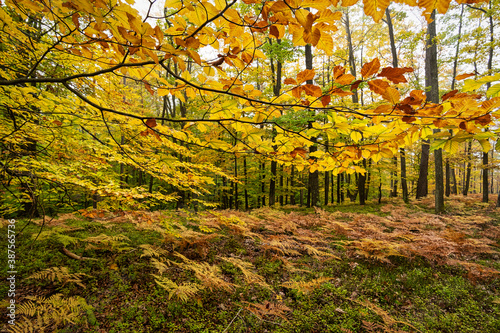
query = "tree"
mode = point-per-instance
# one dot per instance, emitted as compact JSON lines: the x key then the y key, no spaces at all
{"x":68,"y":131}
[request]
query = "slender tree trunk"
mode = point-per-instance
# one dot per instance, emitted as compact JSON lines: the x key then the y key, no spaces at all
{"x":485,"y":177}
{"x":352,"y":59}
{"x":361,"y":185}
{"x":277,"y":72}
{"x":431,"y":73}
{"x":246,"y":182}
{"x":327,"y":186}
{"x":454,"y":189}
{"x":404,"y":185}
{"x":313,"y":184}
{"x":469,"y":169}
{"x":236,"y":198}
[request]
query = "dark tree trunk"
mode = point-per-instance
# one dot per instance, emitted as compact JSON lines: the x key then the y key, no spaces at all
{"x":469,"y":169}
{"x":313,"y":184}
{"x":246,"y":182}
{"x":422,"y":183}
{"x":485,"y":177}
{"x":404,"y":185}
{"x":431,"y":74}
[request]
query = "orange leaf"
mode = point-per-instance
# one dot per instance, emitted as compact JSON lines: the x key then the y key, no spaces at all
{"x":274,"y":31}
{"x":355,"y":84}
{"x":192,"y":43}
{"x":406,"y":108}
{"x":370,"y":68}
{"x":279,"y":6}
{"x":312,"y":37}
{"x":392,"y":95}
{"x":383,"y":108}
{"x":408,"y":119}
{"x":290,"y":81}
{"x":305,"y":75}
{"x":345,"y":79}
{"x":151,"y":122}
{"x":313,"y":90}
{"x":395,"y":74}
{"x":463,"y":76}
{"x":148,"y":88}
{"x":378,"y":86}
{"x":340,"y":92}
{"x":57,"y":122}
{"x":483,"y":120}
{"x":298,"y":151}
{"x":449,"y":95}
{"x":75,"y":18}
{"x":325,"y":100}
{"x":338,"y":71}
{"x":296,"y":92}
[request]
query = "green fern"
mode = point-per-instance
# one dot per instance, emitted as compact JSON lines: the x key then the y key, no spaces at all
{"x":105,"y":242}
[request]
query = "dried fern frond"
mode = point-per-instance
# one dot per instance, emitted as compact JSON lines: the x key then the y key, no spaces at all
{"x":375,"y":249}
{"x":316,"y":252}
{"x":246,"y":268}
{"x":182,"y":292}
{"x":49,"y":314}
{"x":61,"y":274}
{"x":268,"y":309}
{"x":149,"y":250}
{"x":159,"y":265}
{"x":306,"y":287}
{"x":210,"y":276}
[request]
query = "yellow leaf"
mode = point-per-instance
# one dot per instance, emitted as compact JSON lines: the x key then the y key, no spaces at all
{"x":325,"y":43}
{"x":375,"y":8}
{"x":356,"y":136}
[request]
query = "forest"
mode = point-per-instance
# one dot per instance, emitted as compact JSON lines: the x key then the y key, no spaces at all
{"x":250,"y":165}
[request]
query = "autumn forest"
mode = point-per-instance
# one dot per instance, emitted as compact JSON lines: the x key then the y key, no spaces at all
{"x":269,"y":161}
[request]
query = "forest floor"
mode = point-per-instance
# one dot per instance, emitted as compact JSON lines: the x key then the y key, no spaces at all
{"x":386,"y":267}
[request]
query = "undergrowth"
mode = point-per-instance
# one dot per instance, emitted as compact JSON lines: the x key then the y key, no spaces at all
{"x":340,"y":269}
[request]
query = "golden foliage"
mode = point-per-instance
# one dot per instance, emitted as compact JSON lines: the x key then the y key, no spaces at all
{"x":59,"y":274}
{"x":40,"y":314}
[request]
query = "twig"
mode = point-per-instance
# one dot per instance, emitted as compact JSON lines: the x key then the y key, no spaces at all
{"x":232,"y":321}
{"x":74,"y":256}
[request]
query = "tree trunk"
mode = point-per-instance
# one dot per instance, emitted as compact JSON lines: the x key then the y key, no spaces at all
{"x":404,"y":185}
{"x":469,"y":169}
{"x":246,"y":182}
{"x":422,"y":183}
{"x":313,"y":184}
{"x":485,"y":177}
{"x":432,"y":92}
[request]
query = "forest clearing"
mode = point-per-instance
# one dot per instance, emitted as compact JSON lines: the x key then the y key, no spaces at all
{"x":250,"y":165}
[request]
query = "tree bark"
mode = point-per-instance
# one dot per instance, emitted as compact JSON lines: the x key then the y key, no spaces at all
{"x":469,"y":169}
{"x":431,"y":73}
{"x":313,"y":184}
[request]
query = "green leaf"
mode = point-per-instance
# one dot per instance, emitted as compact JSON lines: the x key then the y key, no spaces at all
{"x":493,"y":91}
{"x":438,"y":144}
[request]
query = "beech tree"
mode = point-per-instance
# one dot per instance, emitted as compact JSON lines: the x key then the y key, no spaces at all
{"x":71,"y":130}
